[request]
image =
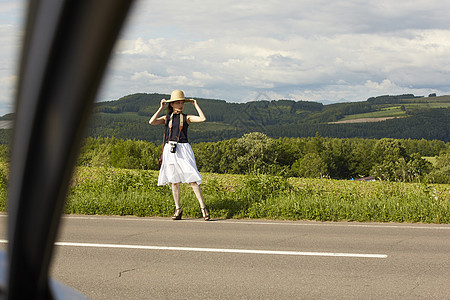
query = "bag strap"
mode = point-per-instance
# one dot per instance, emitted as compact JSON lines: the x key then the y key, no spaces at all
{"x":164,"y":135}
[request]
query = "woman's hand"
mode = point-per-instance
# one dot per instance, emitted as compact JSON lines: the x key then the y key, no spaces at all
{"x":154,"y":120}
{"x":201,"y":116}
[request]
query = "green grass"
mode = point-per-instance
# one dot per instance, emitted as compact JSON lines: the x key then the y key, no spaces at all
{"x":131,"y":192}
{"x":110,"y":191}
{"x":428,"y":105}
{"x":384,"y":113}
{"x":390,"y":110}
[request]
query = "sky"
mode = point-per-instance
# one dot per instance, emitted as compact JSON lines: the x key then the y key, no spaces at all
{"x":313,"y":50}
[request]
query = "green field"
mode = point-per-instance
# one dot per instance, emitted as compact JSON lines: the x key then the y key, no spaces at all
{"x":428,"y":105}
{"x":111,"y":191}
{"x":132,"y":192}
{"x":386,"y":112}
{"x":395,"y":110}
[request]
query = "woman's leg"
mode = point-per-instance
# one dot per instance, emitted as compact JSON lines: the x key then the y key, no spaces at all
{"x":198,"y":193}
{"x":176,"y":194}
{"x":176,"y":197}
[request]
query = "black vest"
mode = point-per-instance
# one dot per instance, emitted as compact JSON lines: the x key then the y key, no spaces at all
{"x":171,"y":135}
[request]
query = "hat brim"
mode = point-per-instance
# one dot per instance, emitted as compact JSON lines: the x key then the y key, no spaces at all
{"x":174,"y":100}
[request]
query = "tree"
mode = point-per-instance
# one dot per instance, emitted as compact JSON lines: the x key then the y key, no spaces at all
{"x":310,"y":166}
{"x":393,"y":163}
{"x":255,"y":152}
{"x":336,"y":154}
{"x":361,"y":161}
{"x":388,"y":155}
{"x":388,"y":150}
{"x":417,"y":167}
{"x":288,"y":150}
{"x":441,"y":172}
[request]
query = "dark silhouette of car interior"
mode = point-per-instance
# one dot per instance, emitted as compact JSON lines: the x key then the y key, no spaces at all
{"x":66,"y":47}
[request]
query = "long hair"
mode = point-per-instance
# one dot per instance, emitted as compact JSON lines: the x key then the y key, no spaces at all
{"x":169,"y":109}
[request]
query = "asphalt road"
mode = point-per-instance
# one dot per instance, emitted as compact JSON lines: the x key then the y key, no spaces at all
{"x":155,"y":258}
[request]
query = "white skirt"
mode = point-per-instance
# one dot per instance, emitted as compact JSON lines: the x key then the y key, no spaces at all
{"x":179,"y":166}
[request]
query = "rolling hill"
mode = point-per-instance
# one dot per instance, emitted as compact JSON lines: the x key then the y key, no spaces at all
{"x":400,"y":116}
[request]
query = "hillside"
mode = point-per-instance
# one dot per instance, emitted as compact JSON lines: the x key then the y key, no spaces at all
{"x":402,"y":116}
{"x":405,"y":116}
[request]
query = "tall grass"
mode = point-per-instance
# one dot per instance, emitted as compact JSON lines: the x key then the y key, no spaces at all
{"x":133,"y":192}
{"x":111,"y":191}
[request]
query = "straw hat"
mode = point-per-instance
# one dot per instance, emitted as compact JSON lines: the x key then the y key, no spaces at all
{"x":177,"y":95}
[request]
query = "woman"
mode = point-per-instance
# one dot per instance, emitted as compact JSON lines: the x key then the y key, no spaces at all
{"x":178,"y":164}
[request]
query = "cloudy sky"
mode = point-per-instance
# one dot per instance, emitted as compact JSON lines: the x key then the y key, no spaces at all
{"x":317,"y":50}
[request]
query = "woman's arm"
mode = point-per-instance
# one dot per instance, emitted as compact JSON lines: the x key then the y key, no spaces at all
{"x":196,"y":119}
{"x":154,"y":120}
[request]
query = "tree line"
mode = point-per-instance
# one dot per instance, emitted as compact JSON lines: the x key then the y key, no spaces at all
{"x":312,"y":157}
{"x":386,"y":159}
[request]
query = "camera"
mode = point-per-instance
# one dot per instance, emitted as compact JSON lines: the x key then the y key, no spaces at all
{"x":173,"y":148}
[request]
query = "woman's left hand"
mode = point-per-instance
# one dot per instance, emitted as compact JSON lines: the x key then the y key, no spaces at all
{"x":201,"y":116}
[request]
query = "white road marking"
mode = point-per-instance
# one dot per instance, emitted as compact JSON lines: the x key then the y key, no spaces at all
{"x":217,"y":250}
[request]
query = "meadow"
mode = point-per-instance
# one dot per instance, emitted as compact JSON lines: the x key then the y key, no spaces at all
{"x":114,"y":191}
{"x":397,"y":110}
{"x":110,"y":191}
{"x":383,"y":113}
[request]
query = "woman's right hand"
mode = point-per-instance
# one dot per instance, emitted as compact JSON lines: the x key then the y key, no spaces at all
{"x":154,"y":120}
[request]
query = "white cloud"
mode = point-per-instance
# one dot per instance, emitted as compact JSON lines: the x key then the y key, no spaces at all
{"x":292,"y":49}
{"x":317,"y":64}
{"x":144,"y":76}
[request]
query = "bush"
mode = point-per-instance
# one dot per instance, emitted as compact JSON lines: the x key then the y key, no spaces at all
{"x":134,"y":155}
